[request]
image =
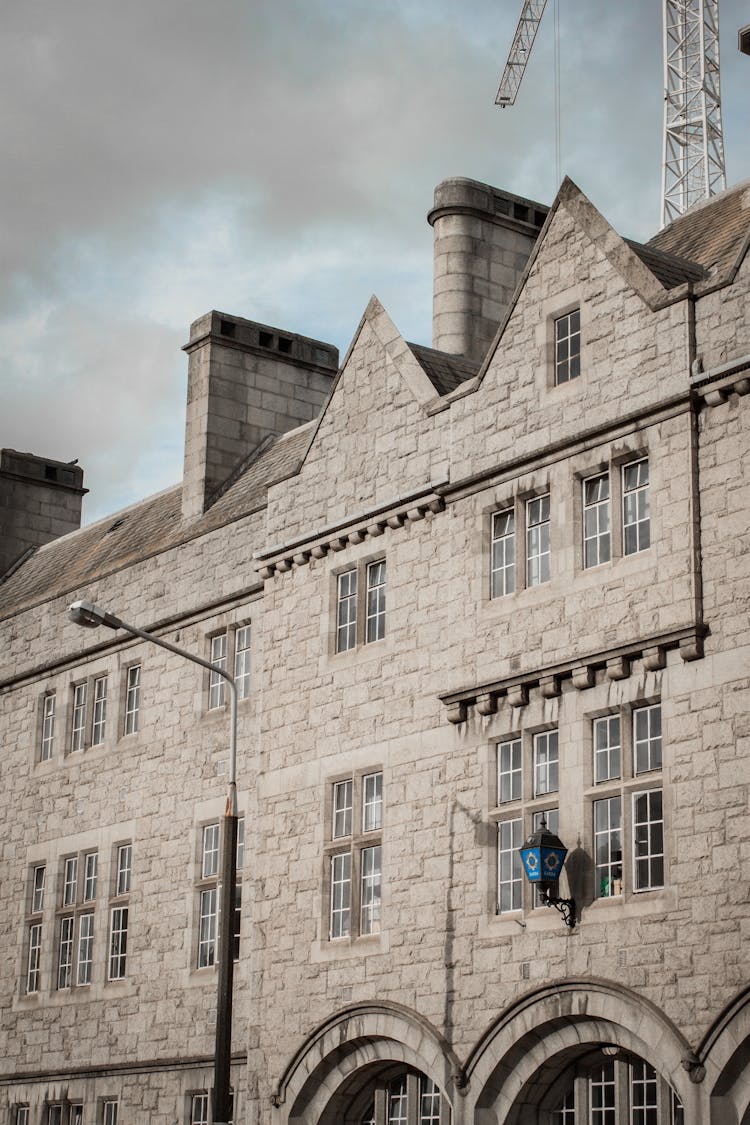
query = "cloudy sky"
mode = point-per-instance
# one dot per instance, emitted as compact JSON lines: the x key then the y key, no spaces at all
{"x":275,"y":159}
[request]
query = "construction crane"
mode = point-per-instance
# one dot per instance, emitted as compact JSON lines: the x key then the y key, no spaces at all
{"x":693,"y":167}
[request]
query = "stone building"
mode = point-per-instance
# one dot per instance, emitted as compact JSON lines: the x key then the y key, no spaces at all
{"x":461,"y":588}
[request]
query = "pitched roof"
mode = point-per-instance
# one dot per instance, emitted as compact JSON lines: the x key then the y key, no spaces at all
{"x":444,"y":371}
{"x":143,"y":530}
{"x":670,"y":270}
{"x":712,"y":234}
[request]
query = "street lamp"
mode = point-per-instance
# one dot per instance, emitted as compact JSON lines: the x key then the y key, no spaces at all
{"x":543,"y":856}
{"x":91,"y":616}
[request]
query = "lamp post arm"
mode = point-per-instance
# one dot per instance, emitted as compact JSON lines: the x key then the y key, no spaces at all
{"x":87,"y":614}
{"x":117,"y":623}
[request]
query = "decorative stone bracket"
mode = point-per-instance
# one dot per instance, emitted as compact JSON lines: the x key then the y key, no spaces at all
{"x":423,"y":504}
{"x":616,"y":664}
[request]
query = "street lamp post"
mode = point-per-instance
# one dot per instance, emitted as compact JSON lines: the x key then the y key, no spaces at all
{"x":91,"y":616}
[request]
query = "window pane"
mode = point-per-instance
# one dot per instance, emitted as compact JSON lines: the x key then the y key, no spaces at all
{"x":607,"y":748}
{"x":503,"y":554}
{"x":217,"y":683}
{"x":371,"y":890}
{"x":70,"y":882}
{"x":372,"y":797}
{"x":100,"y":711}
{"x":546,"y":763}
{"x":124,"y":862}
{"x":133,"y":700}
{"x":91,"y":867}
{"x":210,"y":852}
{"x":118,"y":942}
{"x":48,"y":728}
{"x":648,"y":840}
{"x":37,"y":899}
{"x":85,"y":948}
{"x":375,"y":630}
{"x":342,"y":809}
{"x":647,"y":743}
{"x":537,"y":541}
{"x":429,"y":1102}
{"x":509,"y":866}
{"x":608,"y":847}
{"x":78,"y":727}
{"x":341,"y":875}
{"x":65,"y":957}
{"x":346,"y":611}
{"x":596,"y":521}
{"x":567,"y":346}
{"x":242,"y":662}
{"x":199,"y":1110}
{"x":636,"y":507}
{"x":509,"y":771}
{"x":207,"y":928}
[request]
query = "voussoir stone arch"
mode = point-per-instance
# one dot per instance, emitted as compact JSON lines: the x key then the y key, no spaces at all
{"x":725,"y":1054}
{"x":537,"y":1038}
{"x":360,"y":1038}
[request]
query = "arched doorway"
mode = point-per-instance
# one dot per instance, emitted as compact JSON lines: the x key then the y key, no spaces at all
{"x":370,"y":1064}
{"x":582,"y":1053}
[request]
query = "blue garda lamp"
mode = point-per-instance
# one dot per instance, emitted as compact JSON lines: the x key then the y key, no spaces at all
{"x":543,"y":856}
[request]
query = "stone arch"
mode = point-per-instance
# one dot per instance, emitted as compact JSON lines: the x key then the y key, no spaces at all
{"x":523,"y":1053}
{"x":349,"y":1047}
{"x":725,"y":1054}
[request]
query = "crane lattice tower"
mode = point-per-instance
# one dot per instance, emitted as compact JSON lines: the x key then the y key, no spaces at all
{"x":693,"y":142}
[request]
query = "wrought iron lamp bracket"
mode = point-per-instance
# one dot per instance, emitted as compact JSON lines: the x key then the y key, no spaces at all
{"x":566,"y":906}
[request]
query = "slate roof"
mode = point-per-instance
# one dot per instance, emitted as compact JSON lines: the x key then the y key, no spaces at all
{"x":144,"y":529}
{"x":445,"y":372}
{"x":712,"y":234}
{"x":670,"y":270}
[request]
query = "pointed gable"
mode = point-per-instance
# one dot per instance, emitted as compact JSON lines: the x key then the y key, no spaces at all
{"x":377,"y":424}
{"x":633,"y":323}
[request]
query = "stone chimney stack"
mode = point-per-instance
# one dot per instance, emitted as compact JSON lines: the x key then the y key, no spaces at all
{"x":40,"y":499}
{"x":483,"y":238}
{"x":246,"y":382}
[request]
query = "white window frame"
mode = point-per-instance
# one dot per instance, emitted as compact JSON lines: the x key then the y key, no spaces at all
{"x":503,"y":561}
{"x":65,"y":949}
{"x":216,"y":683}
{"x":346,"y":610}
{"x":37,"y":888}
{"x":354,"y":868}
{"x":509,"y":866}
{"x":47,"y":743}
{"x":567,"y":347}
{"x":132,"y":699}
{"x":109,"y":1111}
{"x":538,"y":540}
{"x":376,"y":587}
{"x":124,"y":869}
{"x":242,"y":656}
{"x":99,"y":724}
{"x":509,"y":770}
{"x":90,"y":875}
{"x":608,"y":832}
{"x":210,"y":851}
{"x":85,"y":958}
{"x":208,"y":917}
{"x":648,"y":745}
{"x":70,"y":881}
{"x":78,"y":718}
{"x":607,"y":734}
{"x":546,"y":750}
{"x":371,"y":889}
{"x":597,"y":522}
{"x":118,"y":943}
{"x":199,"y":1108}
{"x":636,"y":507}
{"x":651,"y":856}
{"x":33,"y":958}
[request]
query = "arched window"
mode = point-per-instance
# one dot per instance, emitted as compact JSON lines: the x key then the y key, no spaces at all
{"x":400,"y":1097}
{"x":616,"y":1089}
